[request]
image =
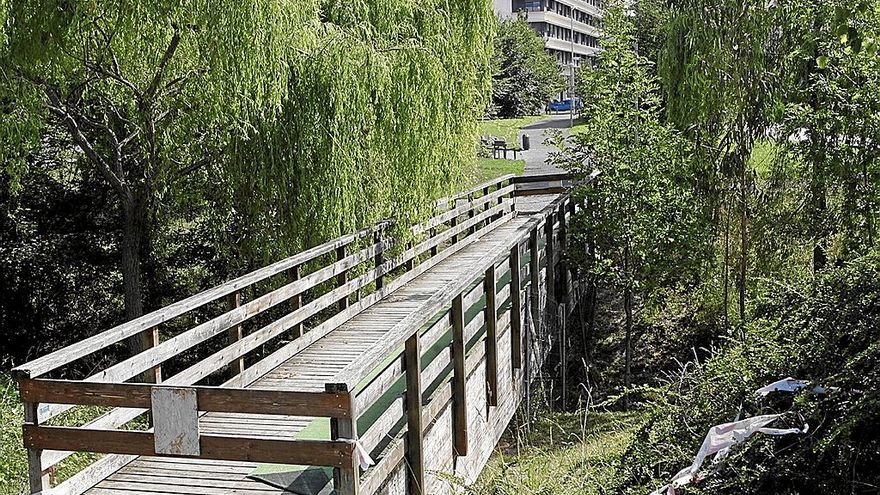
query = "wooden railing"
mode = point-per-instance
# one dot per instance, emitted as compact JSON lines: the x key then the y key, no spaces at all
{"x":233,"y":334}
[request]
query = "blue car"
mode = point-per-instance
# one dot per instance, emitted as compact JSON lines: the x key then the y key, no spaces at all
{"x":564,"y":105}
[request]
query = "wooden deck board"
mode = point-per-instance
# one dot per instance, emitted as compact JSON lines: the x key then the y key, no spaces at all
{"x":309,"y":370}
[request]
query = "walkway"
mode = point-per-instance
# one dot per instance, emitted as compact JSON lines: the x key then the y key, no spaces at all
{"x":536,"y":157}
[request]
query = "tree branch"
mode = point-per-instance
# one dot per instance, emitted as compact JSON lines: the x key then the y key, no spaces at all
{"x":163,"y":64}
{"x":57,"y":108}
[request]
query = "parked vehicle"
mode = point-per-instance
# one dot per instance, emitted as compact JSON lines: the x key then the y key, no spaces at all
{"x":564,"y":105}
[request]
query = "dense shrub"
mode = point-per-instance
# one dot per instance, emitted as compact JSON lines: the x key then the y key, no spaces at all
{"x":825,"y":332}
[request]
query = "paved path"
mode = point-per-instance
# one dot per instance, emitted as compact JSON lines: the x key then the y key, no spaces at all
{"x":536,"y":157}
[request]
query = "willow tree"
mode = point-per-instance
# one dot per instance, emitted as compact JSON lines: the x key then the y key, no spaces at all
{"x":316,"y":115}
{"x":379,"y":118}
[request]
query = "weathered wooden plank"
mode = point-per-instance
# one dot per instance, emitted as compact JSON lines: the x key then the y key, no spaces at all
{"x":355,"y":371}
{"x":175,"y":414}
{"x":368,"y":395}
{"x":415,"y":454}
{"x":491,"y":317}
{"x":459,"y":379}
{"x":92,"y":474}
{"x":134,"y":395}
{"x":310,"y":452}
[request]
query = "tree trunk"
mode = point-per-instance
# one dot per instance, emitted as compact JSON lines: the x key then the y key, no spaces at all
{"x":134,"y":215}
{"x":726,"y":268}
{"x":818,"y":207}
{"x":744,"y":247}
{"x":627,"y":308}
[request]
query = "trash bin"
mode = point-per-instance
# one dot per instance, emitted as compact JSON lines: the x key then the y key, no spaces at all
{"x":526,"y":144}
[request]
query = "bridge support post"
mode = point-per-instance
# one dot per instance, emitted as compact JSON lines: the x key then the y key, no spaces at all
{"x":347,"y":479}
{"x":515,"y":307}
{"x":459,"y":379}
{"x":491,"y":318}
{"x":415,"y":454}
{"x":38,"y":480}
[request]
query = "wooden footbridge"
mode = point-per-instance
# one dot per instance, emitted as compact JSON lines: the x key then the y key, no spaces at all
{"x":417,"y":355}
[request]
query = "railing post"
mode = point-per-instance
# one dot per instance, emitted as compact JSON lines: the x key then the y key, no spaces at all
{"x":233,"y":301}
{"x":415,"y":454}
{"x":491,"y":317}
{"x":39,"y":481}
{"x":296,"y":303}
{"x":515,"y":307}
{"x":379,"y":259}
{"x":487,"y":206}
{"x":459,"y":379}
{"x":153,"y":375}
{"x":452,"y":224}
{"x":346,"y":480}
{"x":471,"y":213}
{"x":433,"y":248}
{"x":342,"y":278}
{"x":548,"y":250}
{"x":410,"y":263}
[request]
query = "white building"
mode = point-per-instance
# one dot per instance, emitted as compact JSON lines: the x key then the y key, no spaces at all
{"x":570,"y":27}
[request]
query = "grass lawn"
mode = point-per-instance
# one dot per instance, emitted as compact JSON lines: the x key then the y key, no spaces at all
{"x":563,"y":453}
{"x":487,"y":168}
{"x":507,"y":129}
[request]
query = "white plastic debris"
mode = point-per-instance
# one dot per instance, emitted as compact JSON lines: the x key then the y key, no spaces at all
{"x":364,"y":459}
{"x":790,"y":385}
{"x":719,"y":440}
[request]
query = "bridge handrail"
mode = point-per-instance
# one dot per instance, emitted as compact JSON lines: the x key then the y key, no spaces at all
{"x":404,"y":343}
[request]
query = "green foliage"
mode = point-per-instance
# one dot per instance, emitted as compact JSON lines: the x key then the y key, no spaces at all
{"x":641,"y":225}
{"x":829,"y":105}
{"x":526,"y":76}
{"x":823,"y":332}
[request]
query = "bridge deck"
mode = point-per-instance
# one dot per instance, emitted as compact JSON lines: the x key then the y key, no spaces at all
{"x":308,"y":370}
